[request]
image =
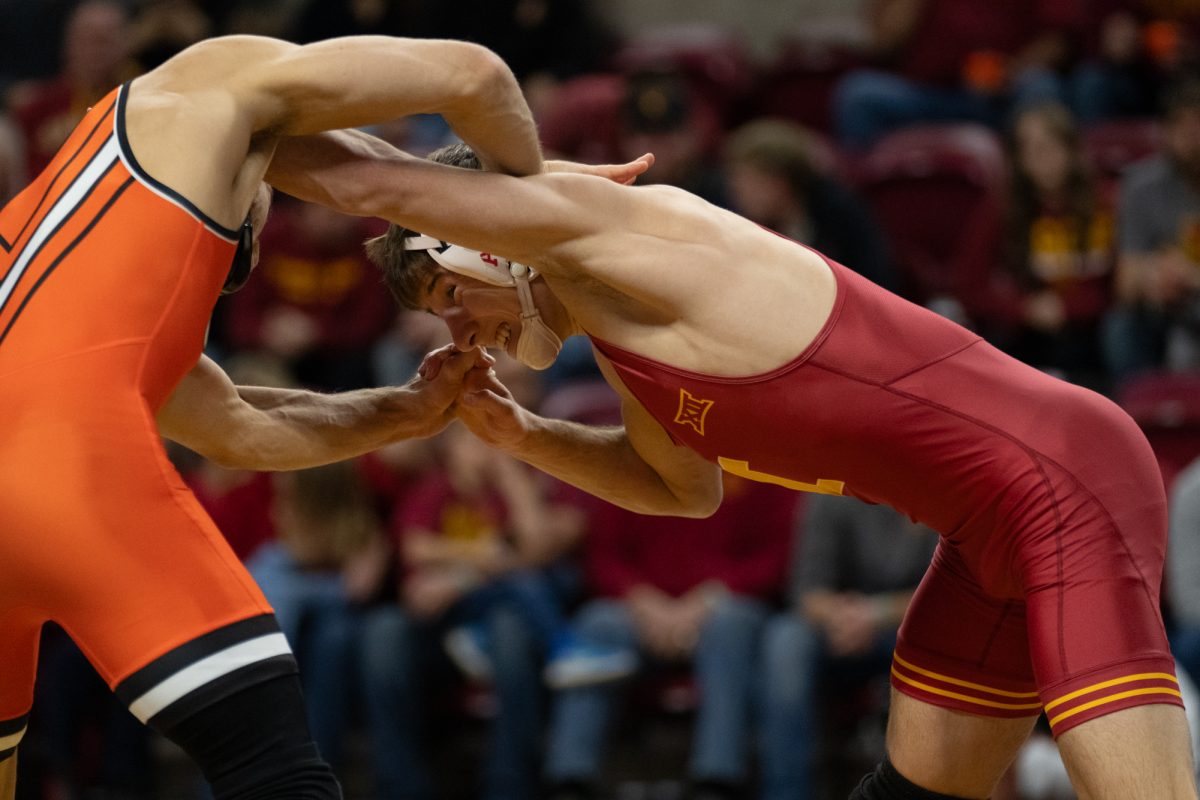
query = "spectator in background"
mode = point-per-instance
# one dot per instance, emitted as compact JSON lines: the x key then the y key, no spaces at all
{"x":478,"y":541}
{"x":1045,"y":302}
{"x":95,"y":59}
{"x":328,"y":558}
{"x":955,"y":60}
{"x":855,"y":567}
{"x":316,"y":302}
{"x":1157,"y":318}
{"x":693,"y":592}
{"x":660,"y":114}
{"x":775,"y":180}
{"x":1123,"y":70}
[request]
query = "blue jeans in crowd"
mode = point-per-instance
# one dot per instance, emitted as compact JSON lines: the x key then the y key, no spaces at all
{"x":724,"y":664}
{"x":322,"y":627}
{"x":796,"y":670}
{"x":403,"y":663}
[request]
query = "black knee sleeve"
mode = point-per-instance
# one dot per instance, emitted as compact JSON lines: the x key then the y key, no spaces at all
{"x":255,"y":745}
{"x":885,"y":783}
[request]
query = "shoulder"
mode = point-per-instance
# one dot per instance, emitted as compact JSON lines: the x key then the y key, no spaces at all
{"x":217,"y":61}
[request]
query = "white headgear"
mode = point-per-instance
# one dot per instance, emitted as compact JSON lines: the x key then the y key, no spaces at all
{"x":537,"y":345}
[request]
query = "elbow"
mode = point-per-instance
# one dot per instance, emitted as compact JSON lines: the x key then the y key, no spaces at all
{"x":389,"y":195}
{"x":707,"y":494}
{"x":699,"y":501}
{"x":703,"y":507}
{"x":483,"y":74}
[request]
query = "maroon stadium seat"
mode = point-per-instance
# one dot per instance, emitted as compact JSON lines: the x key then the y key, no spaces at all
{"x":714,"y":60}
{"x":584,"y":123}
{"x":938,"y":191}
{"x":1112,"y":146}
{"x":799,"y":84}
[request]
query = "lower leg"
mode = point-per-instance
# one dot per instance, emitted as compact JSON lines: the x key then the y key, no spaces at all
{"x":255,"y":745}
{"x":1140,"y":753}
{"x":885,"y":783}
{"x":8,"y":778}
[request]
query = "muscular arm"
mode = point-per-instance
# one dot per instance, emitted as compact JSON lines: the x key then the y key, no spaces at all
{"x":231,"y":100}
{"x":359,"y":174}
{"x":355,"y":81}
{"x":263,"y":428}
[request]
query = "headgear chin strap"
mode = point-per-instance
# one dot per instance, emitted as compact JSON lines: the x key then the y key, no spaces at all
{"x":537,"y":345}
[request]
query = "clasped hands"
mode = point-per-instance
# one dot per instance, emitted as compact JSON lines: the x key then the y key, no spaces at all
{"x":472,"y":392}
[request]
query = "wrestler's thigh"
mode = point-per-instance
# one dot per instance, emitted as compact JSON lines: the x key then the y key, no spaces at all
{"x":963,"y":693}
{"x":115,"y":547}
{"x":952,"y":752}
{"x":1096,"y":636}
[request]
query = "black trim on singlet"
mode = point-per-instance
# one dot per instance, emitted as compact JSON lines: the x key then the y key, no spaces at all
{"x":188,"y":653}
{"x":67,"y":250}
{"x":10,"y":726}
{"x":158,"y":186}
{"x":220,"y":688}
{"x":7,"y":245}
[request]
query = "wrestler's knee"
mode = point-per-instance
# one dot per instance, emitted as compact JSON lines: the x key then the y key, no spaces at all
{"x":256,"y":745}
{"x":885,"y":783}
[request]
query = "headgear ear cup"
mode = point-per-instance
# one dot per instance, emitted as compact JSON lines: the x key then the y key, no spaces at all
{"x":243,"y":260}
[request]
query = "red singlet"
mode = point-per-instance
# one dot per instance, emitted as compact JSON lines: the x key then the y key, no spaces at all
{"x":1044,"y":590}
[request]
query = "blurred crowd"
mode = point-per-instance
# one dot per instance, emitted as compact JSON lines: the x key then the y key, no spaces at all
{"x":1029,"y":168}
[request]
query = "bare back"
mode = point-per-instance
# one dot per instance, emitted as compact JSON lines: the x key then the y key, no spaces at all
{"x":705,"y":289}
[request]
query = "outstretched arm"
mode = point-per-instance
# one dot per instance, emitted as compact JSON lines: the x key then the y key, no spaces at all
{"x":356,"y":173}
{"x":262,"y":428}
{"x":635,"y":466}
{"x":347,"y":83}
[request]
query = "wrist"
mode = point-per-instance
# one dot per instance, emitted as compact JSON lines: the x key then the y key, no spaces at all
{"x":410,"y":412}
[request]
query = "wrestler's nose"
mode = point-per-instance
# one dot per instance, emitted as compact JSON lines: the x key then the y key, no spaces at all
{"x":463,"y":330}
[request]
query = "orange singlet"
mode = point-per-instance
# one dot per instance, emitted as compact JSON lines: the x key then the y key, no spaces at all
{"x":107,"y":281}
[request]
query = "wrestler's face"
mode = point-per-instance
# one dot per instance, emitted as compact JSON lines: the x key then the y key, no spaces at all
{"x":476,"y":313}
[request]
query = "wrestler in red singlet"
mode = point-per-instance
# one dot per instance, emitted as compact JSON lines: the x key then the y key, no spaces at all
{"x":107,"y":281}
{"x":1043,"y":593}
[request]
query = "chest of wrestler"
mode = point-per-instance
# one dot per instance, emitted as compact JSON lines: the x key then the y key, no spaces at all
{"x":816,"y":431}
{"x":136,"y":273}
